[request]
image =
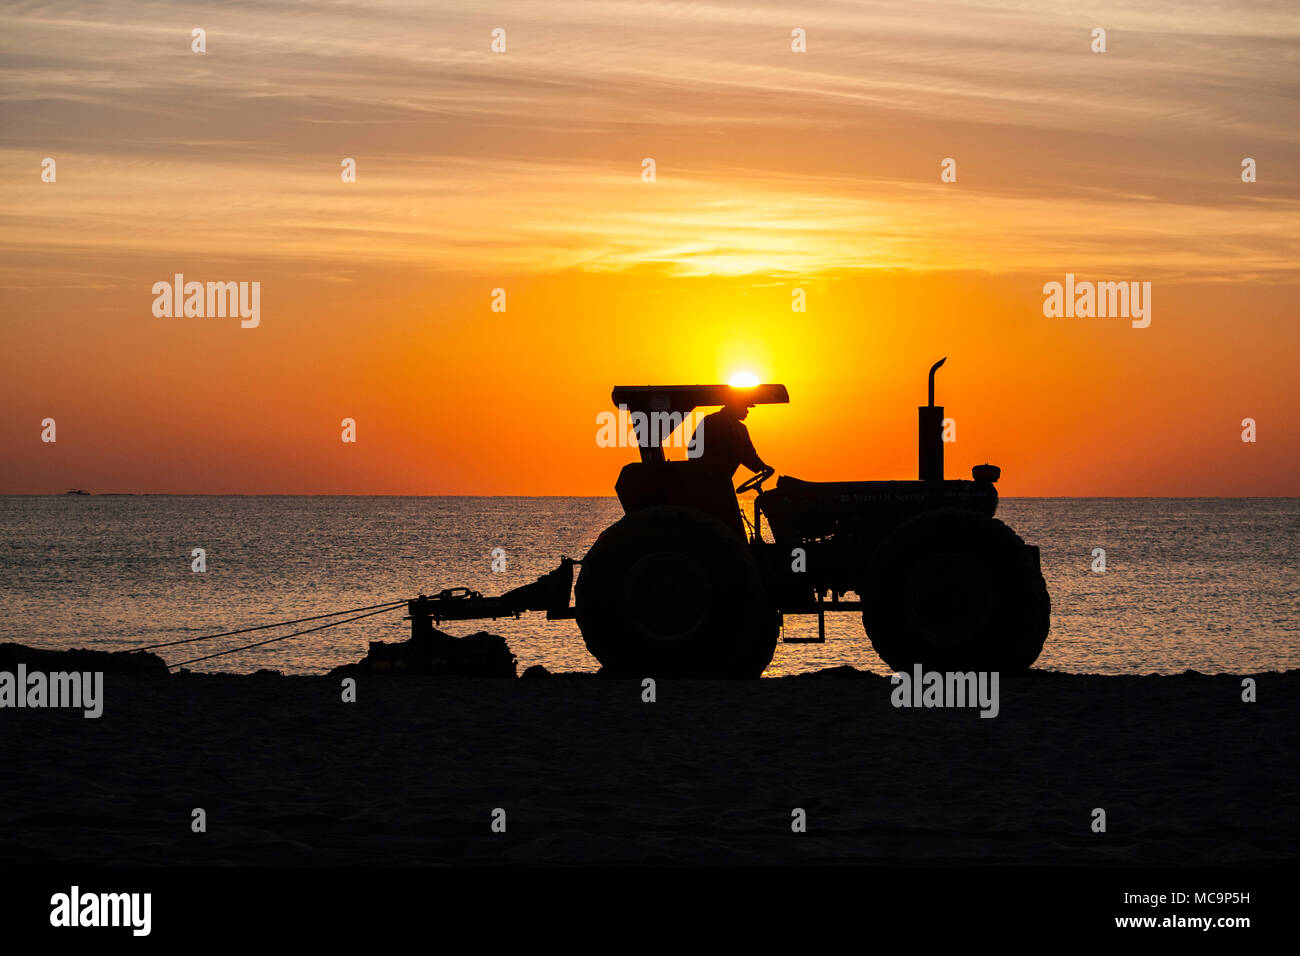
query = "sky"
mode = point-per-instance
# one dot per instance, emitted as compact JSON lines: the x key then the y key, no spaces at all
{"x":522,"y":170}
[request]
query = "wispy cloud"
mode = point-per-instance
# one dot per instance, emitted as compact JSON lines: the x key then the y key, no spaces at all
{"x":769,"y":161}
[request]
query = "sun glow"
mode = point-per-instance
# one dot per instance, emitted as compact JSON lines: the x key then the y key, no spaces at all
{"x":743,"y":380}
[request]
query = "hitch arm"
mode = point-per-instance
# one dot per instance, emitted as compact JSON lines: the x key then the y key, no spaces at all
{"x":549,"y":593}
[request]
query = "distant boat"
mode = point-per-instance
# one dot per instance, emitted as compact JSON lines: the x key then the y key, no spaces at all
{"x":76,"y":491}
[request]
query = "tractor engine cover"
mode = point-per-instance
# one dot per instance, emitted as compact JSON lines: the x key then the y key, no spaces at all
{"x":799,"y":510}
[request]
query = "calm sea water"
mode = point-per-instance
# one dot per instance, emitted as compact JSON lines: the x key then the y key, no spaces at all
{"x":1203,"y":584}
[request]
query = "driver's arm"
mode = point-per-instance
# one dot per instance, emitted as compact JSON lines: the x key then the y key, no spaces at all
{"x":748,"y":455}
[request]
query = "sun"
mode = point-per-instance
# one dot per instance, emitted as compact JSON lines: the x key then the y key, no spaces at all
{"x":743,"y":380}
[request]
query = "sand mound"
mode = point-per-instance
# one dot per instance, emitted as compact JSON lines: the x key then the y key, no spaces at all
{"x":439,"y":654}
{"x":118,"y":662}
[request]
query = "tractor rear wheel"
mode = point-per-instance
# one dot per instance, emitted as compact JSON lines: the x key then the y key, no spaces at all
{"x":673,"y":592}
{"x":955,"y":590}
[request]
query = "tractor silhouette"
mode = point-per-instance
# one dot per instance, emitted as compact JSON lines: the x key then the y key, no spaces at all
{"x":686,"y":585}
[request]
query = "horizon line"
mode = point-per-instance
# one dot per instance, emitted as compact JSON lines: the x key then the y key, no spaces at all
{"x":309,"y":494}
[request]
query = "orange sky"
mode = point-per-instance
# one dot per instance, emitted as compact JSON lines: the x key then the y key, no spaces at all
{"x":522,"y":171}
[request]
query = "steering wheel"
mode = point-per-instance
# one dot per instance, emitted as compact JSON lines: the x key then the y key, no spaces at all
{"x":755,"y":481}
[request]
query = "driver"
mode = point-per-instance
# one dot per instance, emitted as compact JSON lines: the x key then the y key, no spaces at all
{"x":722,"y":441}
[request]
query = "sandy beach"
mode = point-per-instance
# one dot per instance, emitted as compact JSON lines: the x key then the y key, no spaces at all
{"x":587,"y":772}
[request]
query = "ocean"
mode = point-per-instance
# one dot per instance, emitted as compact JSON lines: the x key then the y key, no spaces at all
{"x":1206,"y":584}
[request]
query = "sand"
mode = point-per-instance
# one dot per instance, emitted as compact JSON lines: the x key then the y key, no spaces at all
{"x":587,"y":772}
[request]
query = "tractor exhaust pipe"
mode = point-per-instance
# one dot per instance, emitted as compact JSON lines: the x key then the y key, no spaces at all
{"x":929,"y":435}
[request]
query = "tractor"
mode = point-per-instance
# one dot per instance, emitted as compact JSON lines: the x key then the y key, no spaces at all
{"x":686,"y":584}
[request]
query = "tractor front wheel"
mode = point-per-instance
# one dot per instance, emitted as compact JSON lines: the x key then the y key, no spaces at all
{"x":955,"y":590}
{"x":673,"y":592}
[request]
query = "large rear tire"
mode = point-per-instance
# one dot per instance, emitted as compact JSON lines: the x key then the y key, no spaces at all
{"x":955,"y":590}
{"x":673,"y":592}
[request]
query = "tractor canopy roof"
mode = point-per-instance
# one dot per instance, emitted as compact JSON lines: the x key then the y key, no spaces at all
{"x":685,"y":398}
